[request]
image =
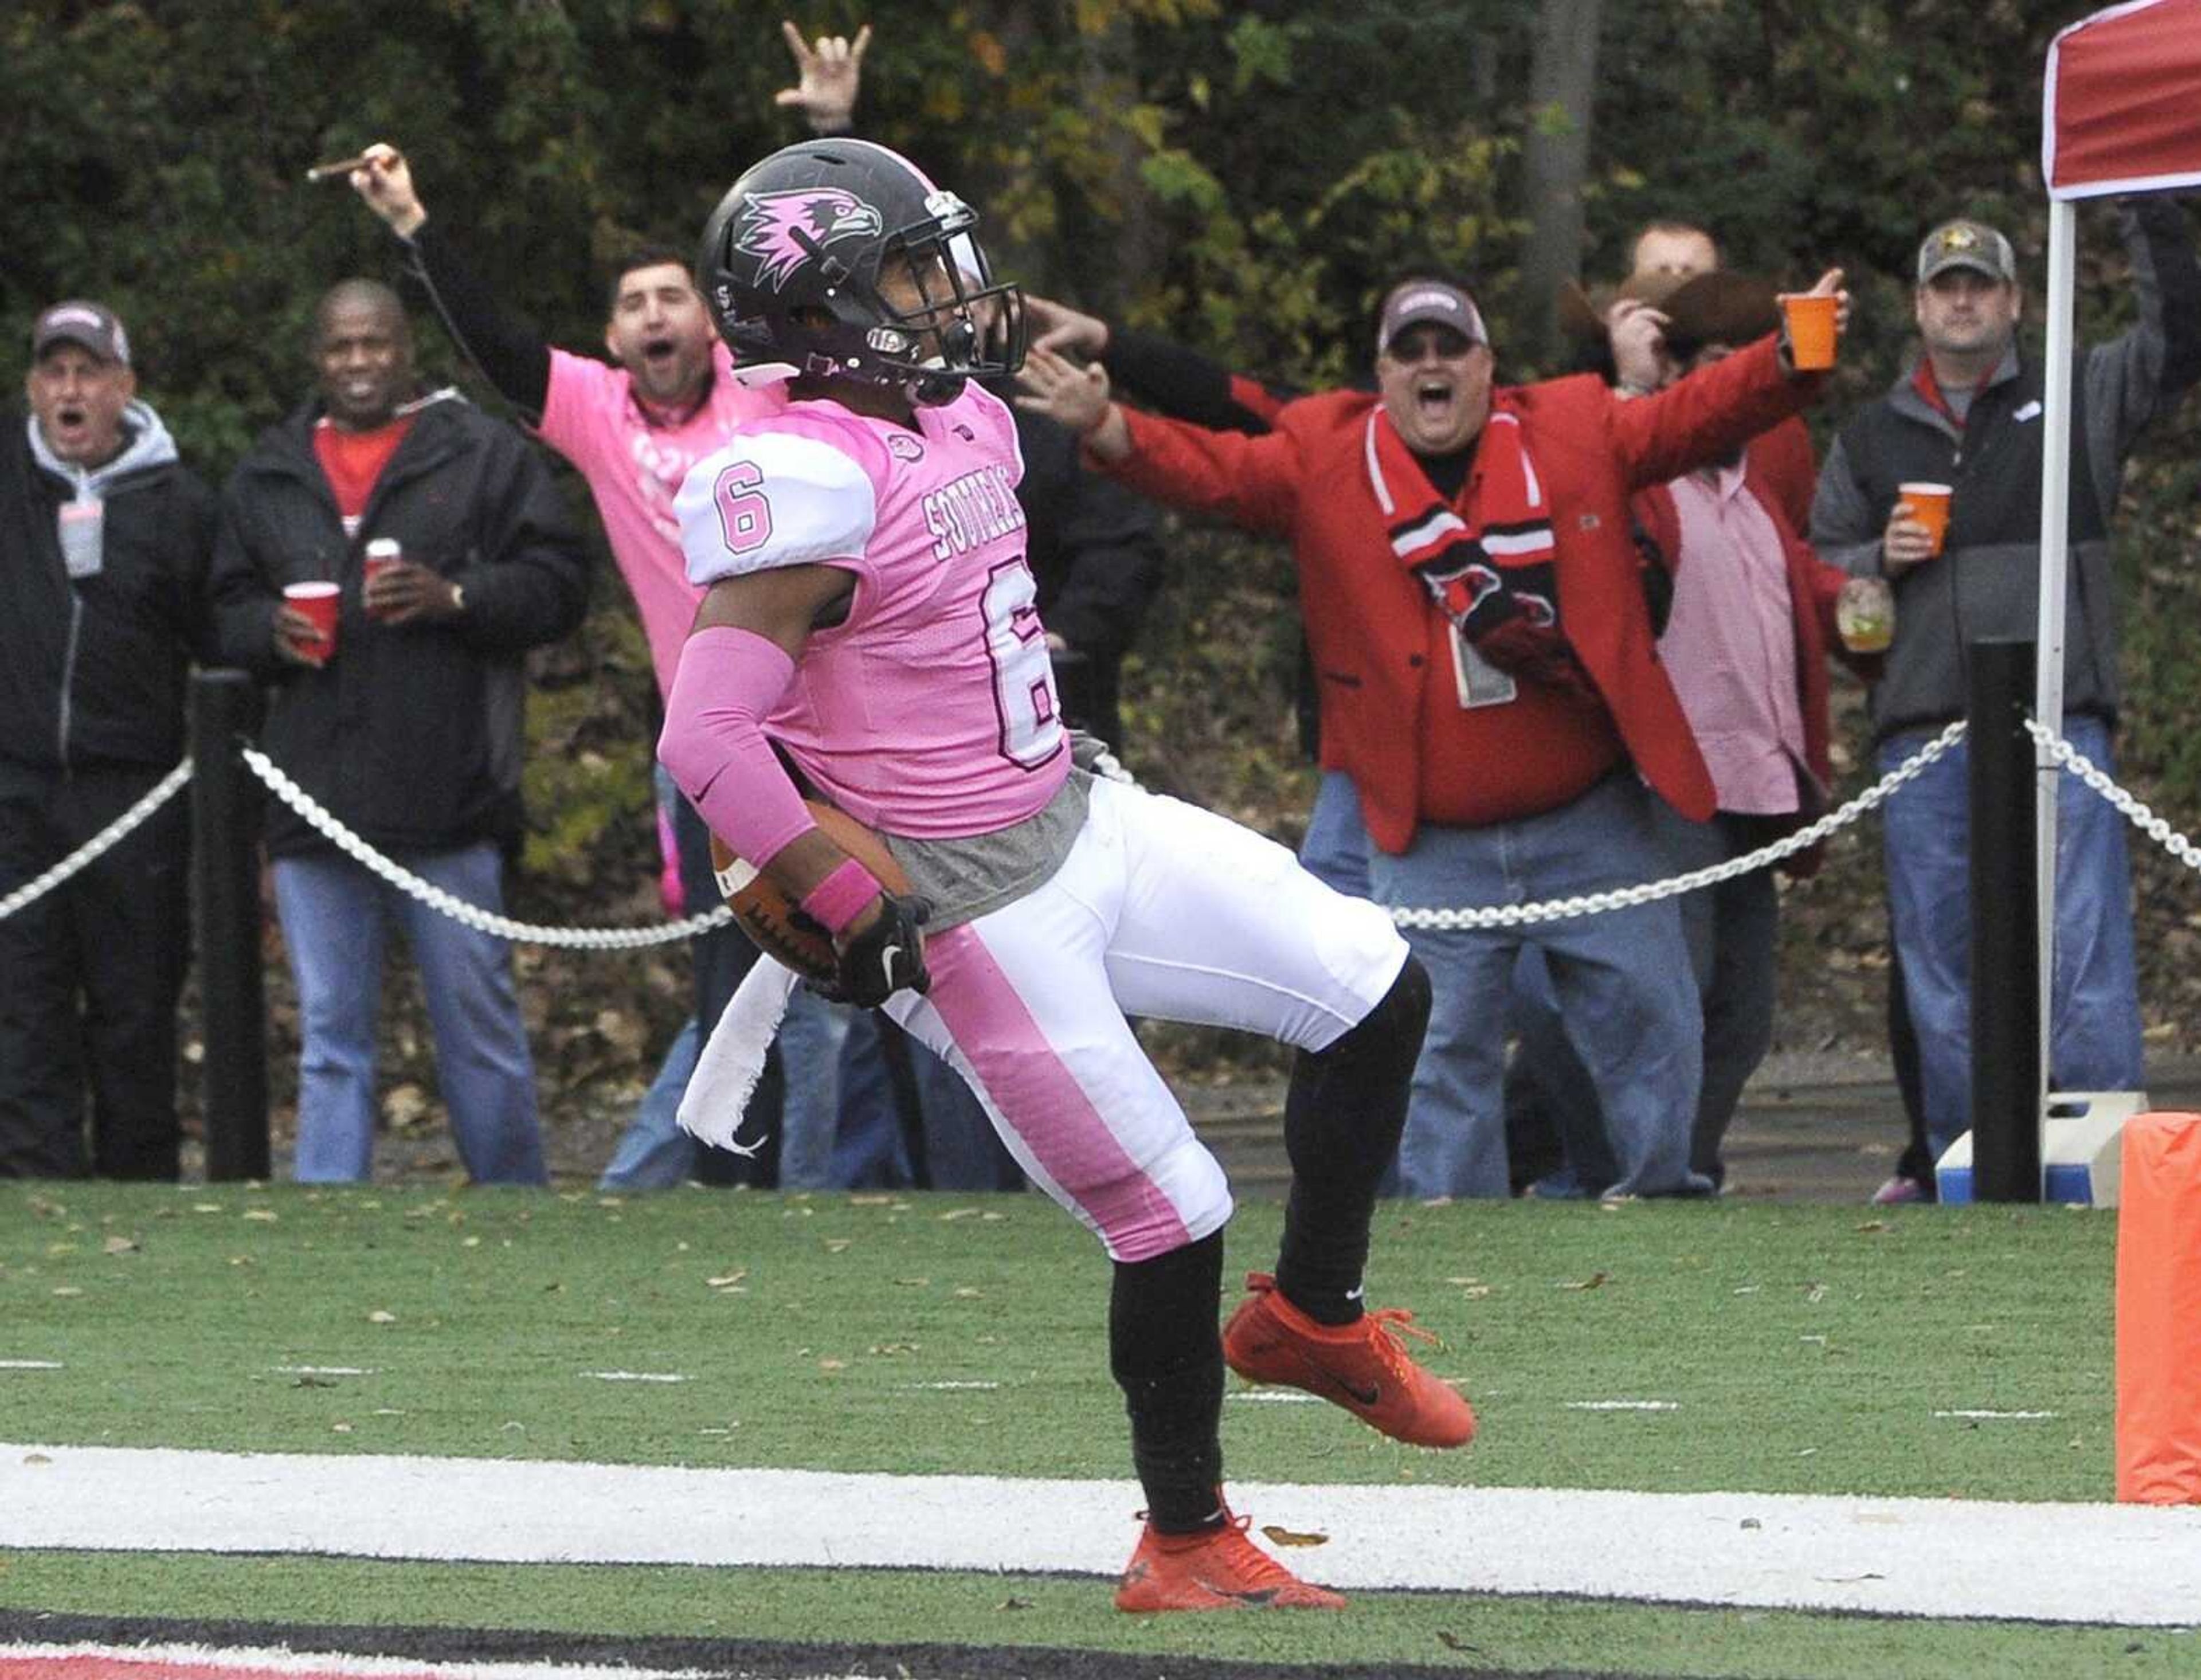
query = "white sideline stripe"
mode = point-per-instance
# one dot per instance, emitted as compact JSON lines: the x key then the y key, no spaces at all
{"x":322,"y":1370}
{"x":279,"y":1660}
{"x":1623,"y":1406}
{"x":636,"y":1376}
{"x":1994,"y":1414}
{"x":2136,"y":1566}
{"x":30,"y":1365}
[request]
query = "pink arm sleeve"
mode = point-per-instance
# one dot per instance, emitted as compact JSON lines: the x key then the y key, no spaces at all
{"x":728,"y":681}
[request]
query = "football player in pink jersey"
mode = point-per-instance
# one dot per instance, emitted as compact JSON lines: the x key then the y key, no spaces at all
{"x":869,"y":614}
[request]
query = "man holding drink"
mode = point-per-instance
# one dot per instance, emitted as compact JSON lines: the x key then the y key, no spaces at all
{"x":1935,"y":488}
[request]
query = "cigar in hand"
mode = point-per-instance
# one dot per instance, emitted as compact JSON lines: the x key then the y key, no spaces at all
{"x":323,"y":172}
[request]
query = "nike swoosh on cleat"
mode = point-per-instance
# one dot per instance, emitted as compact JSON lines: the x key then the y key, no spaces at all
{"x":1359,"y":1397}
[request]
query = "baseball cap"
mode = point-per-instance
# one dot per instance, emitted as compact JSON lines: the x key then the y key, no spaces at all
{"x":94,"y":326}
{"x":1966,"y":244}
{"x":1429,"y":303}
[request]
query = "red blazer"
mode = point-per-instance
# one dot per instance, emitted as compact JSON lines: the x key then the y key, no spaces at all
{"x":1367,"y":619}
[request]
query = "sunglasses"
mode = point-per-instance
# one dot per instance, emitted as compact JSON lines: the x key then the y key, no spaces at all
{"x":1414,"y":342}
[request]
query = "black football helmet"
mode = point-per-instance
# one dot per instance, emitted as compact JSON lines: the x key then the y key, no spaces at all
{"x":795,"y":257}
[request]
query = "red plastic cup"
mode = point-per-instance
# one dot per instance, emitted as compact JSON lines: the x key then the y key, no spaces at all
{"x":317,"y":601}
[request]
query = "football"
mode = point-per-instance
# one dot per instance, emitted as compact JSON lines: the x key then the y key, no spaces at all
{"x":776,"y":922}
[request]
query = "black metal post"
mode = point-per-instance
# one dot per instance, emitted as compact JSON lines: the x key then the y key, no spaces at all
{"x":226,"y":870}
{"x":2006,"y":1084}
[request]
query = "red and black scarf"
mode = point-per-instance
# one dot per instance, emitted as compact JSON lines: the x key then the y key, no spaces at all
{"x":1488,"y":559}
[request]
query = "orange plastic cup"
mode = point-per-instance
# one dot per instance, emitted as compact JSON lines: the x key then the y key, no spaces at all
{"x":1810,"y":329}
{"x":317,"y":601}
{"x":1929,"y":506}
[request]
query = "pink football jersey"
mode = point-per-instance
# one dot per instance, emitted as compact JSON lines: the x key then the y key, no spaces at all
{"x":930,"y":711}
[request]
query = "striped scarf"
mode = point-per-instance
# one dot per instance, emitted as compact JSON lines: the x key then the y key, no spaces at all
{"x":1488,"y":561}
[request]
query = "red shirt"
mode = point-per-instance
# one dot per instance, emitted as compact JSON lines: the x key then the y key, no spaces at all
{"x":352,"y":461}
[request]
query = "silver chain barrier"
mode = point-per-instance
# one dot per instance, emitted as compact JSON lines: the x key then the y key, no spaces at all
{"x":524,"y":933}
{"x":1590,"y":904}
{"x":105,"y":841}
{"x":2138,"y":814}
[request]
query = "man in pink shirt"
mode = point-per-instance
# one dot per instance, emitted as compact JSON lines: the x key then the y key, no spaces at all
{"x":870,"y":614}
{"x":634,"y":427}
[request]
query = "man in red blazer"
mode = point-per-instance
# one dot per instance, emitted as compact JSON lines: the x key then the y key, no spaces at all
{"x":1489,"y":677}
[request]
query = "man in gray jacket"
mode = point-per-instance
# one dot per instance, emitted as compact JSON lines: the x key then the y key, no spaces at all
{"x":1969,"y":415}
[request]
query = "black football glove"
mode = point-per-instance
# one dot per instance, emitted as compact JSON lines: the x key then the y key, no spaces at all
{"x":887,"y":957}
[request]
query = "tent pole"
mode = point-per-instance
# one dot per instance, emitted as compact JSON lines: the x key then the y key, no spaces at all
{"x":2048,"y":682}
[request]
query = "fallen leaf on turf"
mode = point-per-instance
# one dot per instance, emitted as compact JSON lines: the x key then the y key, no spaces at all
{"x":1453,"y":1642}
{"x":832,"y":1364}
{"x":1595,"y":1280}
{"x":68,"y":1289}
{"x":953,"y":1213}
{"x":339,"y":1429}
{"x":313,"y":1383}
{"x":874,"y":1201}
{"x":118,"y":1245}
{"x":1292,"y":1537}
{"x":266,"y":1216}
{"x":1874,"y":1224}
{"x":836,"y":1245}
{"x":728,"y":1280}
{"x":1016,"y":1604}
{"x":1464,"y":1282}
{"x":379,"y":1317}
{"x":969,"y":1295}
{"x":913,"y":1282}
{"x":1815,"y":1293}
{"x":1477,"y":1292}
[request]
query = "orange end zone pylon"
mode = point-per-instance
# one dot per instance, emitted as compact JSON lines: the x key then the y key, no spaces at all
{"x":2159,"y":1311}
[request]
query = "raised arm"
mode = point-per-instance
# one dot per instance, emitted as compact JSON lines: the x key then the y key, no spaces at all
{"x":1252,"y":481}
{"x":1163,"y":374}
{"x":511,"y":356}
{"x":2142,"y":372}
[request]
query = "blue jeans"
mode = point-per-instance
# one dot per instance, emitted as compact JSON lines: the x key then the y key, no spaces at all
{"x":336,"y":919}
{"x":653,"y":1152}
{"x":1335,"y":850}
{"x":2094,"y":1037}
{"x":1622,"y":980}
{"x":810,"y":1043}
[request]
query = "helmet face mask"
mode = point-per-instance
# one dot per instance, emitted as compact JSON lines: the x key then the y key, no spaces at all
{"x":839,"y":259}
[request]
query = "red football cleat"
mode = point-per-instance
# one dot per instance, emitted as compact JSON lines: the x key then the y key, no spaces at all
{"x":1362,"y":1367}
{"x":1218,"y":1569}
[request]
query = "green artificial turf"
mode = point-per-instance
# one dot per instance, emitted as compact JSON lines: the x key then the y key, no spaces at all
{"x":806,"y":1606}
{"x":1804,"y":1350}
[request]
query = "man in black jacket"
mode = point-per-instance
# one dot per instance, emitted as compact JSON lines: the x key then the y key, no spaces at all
{"x":407,"y":724}
{"x":1968,"y":414}
{"x":103,"y":543}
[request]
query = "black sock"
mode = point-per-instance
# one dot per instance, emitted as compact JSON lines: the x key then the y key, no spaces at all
{"x":1342,"y":1117}
{"x":1165,"y":1352}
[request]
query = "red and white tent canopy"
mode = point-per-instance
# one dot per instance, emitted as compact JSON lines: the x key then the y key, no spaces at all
{"x":2120,"y":113}
{"x":2122,"y":109}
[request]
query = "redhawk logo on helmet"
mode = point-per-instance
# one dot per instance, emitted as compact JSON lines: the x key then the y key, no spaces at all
{"x":785,"y":229}
{"x":795,"y":257}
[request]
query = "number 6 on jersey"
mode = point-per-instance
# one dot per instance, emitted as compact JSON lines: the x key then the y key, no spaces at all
{"x":1024,"y":676}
